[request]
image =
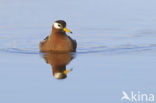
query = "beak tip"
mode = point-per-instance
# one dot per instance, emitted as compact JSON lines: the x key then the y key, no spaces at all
{"x":66,"y":30}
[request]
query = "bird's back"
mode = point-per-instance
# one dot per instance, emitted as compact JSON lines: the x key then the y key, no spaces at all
{"x":74,"y":43}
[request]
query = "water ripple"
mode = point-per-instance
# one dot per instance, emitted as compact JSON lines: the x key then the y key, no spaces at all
{"x":19,"y":50}
{"x":95,"y":49}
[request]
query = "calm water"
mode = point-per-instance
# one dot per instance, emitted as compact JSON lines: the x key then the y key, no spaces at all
{"x":116,"y":50}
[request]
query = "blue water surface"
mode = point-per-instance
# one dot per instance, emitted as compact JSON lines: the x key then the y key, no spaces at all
{"x":116,"y":50}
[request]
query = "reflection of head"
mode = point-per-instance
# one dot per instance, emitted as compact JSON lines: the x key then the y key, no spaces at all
{"x":58,"y":62}
{"x":60,"y":75}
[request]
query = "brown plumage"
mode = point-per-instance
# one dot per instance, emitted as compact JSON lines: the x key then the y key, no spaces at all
{"x":58,"y":40}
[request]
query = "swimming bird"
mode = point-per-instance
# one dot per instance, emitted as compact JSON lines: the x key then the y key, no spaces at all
{"x":58,"y":40}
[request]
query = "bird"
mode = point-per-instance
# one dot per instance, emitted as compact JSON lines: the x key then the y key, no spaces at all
{"x":58,"y":40}
{"x":58,"y":62}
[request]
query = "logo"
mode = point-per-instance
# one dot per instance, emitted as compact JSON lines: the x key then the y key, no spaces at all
{"x":137,"y":97}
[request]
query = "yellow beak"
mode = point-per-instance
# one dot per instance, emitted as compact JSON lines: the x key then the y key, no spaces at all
{"x":65,"y":29}
{"x":66,"y":71}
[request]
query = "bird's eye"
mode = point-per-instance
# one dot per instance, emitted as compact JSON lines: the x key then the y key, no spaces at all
{"x":57,"y":25}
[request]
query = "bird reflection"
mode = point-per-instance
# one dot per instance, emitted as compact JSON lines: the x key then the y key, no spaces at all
{"x":58,"y":62}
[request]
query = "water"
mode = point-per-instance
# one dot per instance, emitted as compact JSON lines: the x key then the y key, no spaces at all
{"x":116,"y":50}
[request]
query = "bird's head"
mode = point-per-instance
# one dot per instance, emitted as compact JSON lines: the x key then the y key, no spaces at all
{"x":62,"y":75}
{"x":60,"y":26}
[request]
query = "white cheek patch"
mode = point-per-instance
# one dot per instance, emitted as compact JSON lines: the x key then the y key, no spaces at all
{"x":58,"y":75}
{"x":56,"y":25}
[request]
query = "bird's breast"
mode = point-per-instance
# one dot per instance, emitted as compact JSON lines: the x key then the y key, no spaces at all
{"x":61,"y":44}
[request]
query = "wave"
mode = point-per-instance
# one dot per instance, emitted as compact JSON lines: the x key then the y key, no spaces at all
{"x":118,"y":49}
{"x":19,"y":50}
{"x":87,"y":50}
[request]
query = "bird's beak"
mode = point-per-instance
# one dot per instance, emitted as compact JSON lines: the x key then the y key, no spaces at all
{"x":65,"y":29}
{"x":66,"y":71}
